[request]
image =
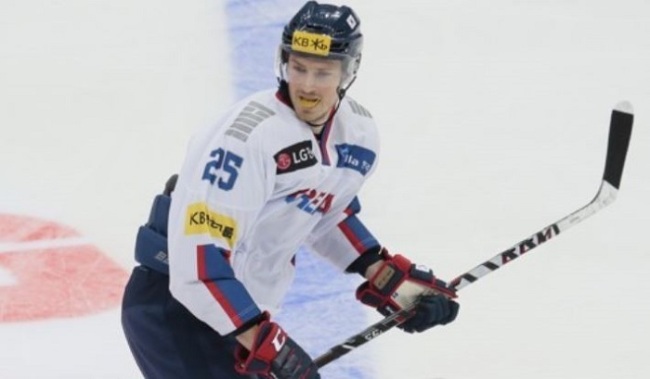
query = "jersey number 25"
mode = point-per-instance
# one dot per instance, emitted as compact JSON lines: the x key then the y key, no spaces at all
{"x":223,"y":168}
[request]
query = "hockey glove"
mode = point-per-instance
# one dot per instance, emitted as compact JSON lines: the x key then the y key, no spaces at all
{"x":399,"y":283}
{"x":274,"y":356}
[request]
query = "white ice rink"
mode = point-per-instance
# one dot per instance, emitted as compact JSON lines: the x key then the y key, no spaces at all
{"x":494,"y":118}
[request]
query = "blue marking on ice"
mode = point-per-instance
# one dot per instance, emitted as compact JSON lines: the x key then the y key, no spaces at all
{"x":320,"y":310}
{"x":254,"y":34}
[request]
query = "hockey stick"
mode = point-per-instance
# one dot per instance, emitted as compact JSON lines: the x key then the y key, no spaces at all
{"x":620,"y":131}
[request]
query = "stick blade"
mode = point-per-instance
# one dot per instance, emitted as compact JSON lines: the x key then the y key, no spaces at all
{"x":620,"y":131}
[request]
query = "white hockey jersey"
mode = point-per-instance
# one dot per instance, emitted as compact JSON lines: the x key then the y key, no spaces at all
{"x":251,"y":191}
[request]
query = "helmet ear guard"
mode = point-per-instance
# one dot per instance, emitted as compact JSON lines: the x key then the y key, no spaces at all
{"x":323,"y":31}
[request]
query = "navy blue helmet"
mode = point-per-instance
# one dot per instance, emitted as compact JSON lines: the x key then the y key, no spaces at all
{"x":324,"y":31}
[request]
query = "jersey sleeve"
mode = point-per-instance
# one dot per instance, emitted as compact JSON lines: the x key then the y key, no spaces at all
{"x":221,"y":189}
{"x":346,"y":241}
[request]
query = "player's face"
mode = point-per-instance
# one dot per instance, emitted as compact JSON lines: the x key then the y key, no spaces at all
{"x":313,"y":86}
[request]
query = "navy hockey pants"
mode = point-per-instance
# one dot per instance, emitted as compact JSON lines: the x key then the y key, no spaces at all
{"x":167,"y":341}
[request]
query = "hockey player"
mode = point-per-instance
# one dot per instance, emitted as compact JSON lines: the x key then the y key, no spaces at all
{"x":280,"y":170}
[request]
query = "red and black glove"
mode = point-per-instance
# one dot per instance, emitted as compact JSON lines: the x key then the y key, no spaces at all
{"x":399,"y":283}
{"x":274,"y":355}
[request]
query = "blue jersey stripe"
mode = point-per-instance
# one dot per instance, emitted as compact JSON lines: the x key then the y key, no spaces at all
{"x":358,"y":235}
{"x":216,"y":273}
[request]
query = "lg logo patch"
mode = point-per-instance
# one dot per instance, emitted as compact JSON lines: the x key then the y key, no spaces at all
{"x":295,"y":157}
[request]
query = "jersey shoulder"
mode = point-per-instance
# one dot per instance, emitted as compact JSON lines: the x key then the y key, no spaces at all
{"x":361,"y":124}
{"x":352,"y":112}
{"x":353,"y":106}
{"x":259,"y":122}
{"x":248,"y":115}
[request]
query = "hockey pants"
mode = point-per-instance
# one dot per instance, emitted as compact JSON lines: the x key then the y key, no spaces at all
{"x":166,"y":340}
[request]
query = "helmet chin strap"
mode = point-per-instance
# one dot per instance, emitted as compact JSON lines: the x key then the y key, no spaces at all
{"x":341,"y":92}
{"x":317,"y":128}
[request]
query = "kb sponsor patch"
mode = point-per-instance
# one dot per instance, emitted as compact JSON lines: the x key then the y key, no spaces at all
{"x":311,"y":43}
{"x":355,"y":157}
{"x":295,"y":157}
{"x":202,"y":220}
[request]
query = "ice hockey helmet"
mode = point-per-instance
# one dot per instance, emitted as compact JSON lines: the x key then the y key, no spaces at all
{"x":325,"y":31}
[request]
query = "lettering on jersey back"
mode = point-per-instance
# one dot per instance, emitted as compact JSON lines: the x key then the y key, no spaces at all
{"x":200,"y":219}
{"x":295,"y":157}
{"x":251,"y":116}
{"x":311,"y":201}
{"x":358,"y":109}
{"x":355,"y":157}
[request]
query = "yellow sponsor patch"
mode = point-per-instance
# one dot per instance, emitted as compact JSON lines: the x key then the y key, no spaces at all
{"x":200,"y":219}
{"x":311,"y":43}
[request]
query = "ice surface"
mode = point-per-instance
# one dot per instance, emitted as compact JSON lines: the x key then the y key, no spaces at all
{"x":494,"y":120}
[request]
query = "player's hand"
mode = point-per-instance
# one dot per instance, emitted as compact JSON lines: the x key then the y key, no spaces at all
{"x":274,"y":355}
{"x":399,"y":283}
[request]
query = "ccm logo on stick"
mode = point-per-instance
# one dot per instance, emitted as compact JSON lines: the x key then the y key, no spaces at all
{"x":529,"y":244}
